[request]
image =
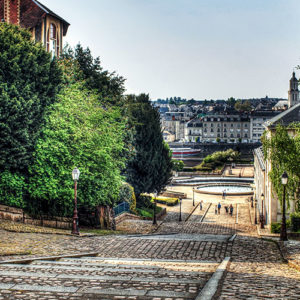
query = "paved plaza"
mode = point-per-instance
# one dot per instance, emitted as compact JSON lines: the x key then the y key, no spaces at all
{"x":174,"y":260}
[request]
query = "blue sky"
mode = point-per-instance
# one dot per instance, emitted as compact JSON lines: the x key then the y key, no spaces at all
{"x":202,"y":49}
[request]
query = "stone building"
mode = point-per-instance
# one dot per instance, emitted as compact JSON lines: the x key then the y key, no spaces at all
{"x":46,"y":27}
{"x":215,"y":128}
{"x":293,"y":91}
{"x":270,"y":205}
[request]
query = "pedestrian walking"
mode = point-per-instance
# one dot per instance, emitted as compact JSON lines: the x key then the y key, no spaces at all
{"x":223,"y":194}
{"x":226,"y":209}
{"x":216,"y":209}
{"x":219,"y":208}
{"x":231,"y":209}
{"x":201,"y":203}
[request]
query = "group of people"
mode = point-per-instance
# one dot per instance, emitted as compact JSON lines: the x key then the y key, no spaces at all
{"x":228,"y":209}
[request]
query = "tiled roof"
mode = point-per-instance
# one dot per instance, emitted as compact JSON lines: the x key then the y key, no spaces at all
{"x":285,"y":118}
{"x":48,"y":11}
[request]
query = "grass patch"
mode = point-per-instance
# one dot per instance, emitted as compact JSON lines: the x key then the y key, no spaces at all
{"x":148,"y":212}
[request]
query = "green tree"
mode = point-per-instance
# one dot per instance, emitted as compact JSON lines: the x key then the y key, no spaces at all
{"x":231,"y":101}
{"x":283,"y":152}
{"x":29,"y":82}
{"x":243,"y":106}
{"x":108,"y":85}
{"x":150,"y":166}
{"x":79,"y":132}
{"x":178,"y":165}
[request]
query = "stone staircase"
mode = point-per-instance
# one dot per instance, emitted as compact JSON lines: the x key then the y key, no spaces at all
{"x":104,"y":278}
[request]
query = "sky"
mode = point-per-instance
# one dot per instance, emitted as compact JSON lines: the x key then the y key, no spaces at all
{"x":201,"y":49}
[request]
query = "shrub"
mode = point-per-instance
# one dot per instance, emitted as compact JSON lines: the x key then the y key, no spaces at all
{"x":167,"y":201}
{"x":12,"y":188}
{"x":127,"y":194}
{"x":275,"y":227}
{"x":295,"y":221}
{"x":144,"y":201}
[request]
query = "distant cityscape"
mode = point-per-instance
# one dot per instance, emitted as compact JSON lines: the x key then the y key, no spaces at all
{"x":221,"y":121}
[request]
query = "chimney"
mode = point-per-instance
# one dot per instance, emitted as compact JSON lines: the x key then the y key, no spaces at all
{"x":12,"y":11}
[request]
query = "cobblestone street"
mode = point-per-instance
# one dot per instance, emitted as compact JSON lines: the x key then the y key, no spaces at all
{"x":172,"y":261}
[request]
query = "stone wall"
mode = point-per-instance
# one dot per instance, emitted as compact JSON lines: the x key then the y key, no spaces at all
{"x":18,"y":215}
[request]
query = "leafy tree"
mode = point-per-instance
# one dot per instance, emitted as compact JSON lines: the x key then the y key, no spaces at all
{"x":150,"y":166}
{"x":178,"y":165}
{"x":231,"y":101}
{"x":78,"y":132}
{"x":108,"y":86}
{"x":29,"y":82}
{"x":283,"y":152}
{"x":243,"y":106}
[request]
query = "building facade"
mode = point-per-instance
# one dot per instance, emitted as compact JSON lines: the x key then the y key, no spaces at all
{"x":45,"y":26}
{"x":270,"y":205}
{"x":219,"y":128}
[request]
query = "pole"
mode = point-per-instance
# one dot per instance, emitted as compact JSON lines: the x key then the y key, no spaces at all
{"x":283,"y":234}
{"x":75,"y":212}
{"x":255,"y":218}
{"x":154,"y":212}
{"x":193,"y":196}
{"x":262,"y":222}
{"x":180,"y":210}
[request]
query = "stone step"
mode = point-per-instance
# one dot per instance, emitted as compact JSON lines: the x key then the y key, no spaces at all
{"x":52,"y":269}
{"x":95,"y":292}
{"x":107,"y":278}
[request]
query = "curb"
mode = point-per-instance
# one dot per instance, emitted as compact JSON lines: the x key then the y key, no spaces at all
{"x":29,"y":260}
{"x":192,"y":212}
{"x":203,"y":217}
{"x":213,"y":286}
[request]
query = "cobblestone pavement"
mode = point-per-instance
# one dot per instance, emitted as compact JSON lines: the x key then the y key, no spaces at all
{"x":105,"y":278}
{"x":175,"y":262}
{"x":257,"y":272}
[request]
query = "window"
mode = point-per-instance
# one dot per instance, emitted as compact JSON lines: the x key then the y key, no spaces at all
{"x":246,"y":135}
{"x":52,"y":41}
{"x":246,"y":125}
{"x":231,"y":125}
{"x":225,"y":125}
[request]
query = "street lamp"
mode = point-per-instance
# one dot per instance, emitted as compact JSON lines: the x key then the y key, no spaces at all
{"x":180,"y":209}
{"x":262,"y":223}
{"x":154,"y":208}
{"x":283,"y":234}
{"x":75,"y":176}
{"x":193,"y":196}
{"x":255,"y":218}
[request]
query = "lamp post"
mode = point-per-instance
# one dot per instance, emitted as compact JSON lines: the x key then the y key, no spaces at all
{"x":180,"y":209}
{"x":75,"y":176}
{"x":255,"y":217}
{"x":154,"y":209}
{"x":283,"y":234}
{"x":193,"y":196}
{"x":262,"y":221}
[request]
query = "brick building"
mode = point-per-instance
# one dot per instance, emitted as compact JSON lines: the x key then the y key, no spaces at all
{"x":46,"y":26}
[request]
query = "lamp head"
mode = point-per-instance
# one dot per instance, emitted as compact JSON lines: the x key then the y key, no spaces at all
{"x":284,"y":178}
{"x":75,"y":174}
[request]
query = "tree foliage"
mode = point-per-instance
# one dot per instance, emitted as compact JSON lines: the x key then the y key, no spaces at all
{"x":29,"y":82}
{"x":243,"y":106}
{"x":150,"y":166}
{"x":108,"y":85}
{"x":178,"y":165}
{"x":79,"y":132}
{"x":283,"y":152}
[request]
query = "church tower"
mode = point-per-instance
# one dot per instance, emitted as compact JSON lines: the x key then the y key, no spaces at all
{"x":294,"y":91}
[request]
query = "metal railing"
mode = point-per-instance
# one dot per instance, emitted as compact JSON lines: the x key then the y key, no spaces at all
{"x":121,"y":208}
